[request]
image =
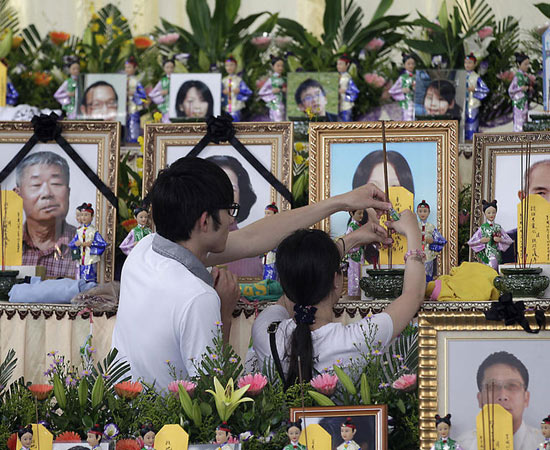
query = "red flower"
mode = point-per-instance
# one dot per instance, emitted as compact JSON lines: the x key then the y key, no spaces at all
{"x":12,"y":441}
{"x":129,"y":224}
{"x":142,"y":42}
{"x":127,"y":444}
{"x":68,"y":436}
{"x":42,"y":78}
{"x":16,"y":42}
{"x":59,"y":37}
{"x":128,"y":389}
{"x":40,"y":391}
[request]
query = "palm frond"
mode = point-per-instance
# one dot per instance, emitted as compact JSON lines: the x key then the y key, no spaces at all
{"x":8,"y":17}
{"x":474,"y":14}
{"x":6,"y":368}
{"x":403,"y":352}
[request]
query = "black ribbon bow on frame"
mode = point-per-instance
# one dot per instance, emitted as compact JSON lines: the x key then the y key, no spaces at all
{"x":221,"y":129}
{"x":512,"y":313}
{"x":47,"y":128}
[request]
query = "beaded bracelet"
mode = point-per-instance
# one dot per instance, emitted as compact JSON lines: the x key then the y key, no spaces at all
{"x":418,"y":253}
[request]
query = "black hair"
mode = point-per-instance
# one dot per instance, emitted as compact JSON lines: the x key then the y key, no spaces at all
{"x":93,"y":86}
{"x":247,"y":196}
{"x":439,"y":419}
{"x":167,"y":60}
{"x":406,"y":56}
{"x":203,"y":91}
{"x":306,"y":84}
{"x":297,"y":424}
{"x":24,"y":430}
{"x":274,"y":59}
{"x":183,"y":191}
{"x":369,"y":162}
{"x":505,"y":358}
{"x":146,"y":428}
{"x":520,"y":57}
{"x":307,"y":261}
{"x":485,"y":204}
{"x":69,"y":60}
{"x":423,"y":204}
{"x":446,"y":90}
{"x":349,"y":423}
{"x":139,"y":209}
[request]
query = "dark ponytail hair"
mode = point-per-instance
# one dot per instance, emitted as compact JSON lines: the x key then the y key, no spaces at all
{"x":485,"y":205}
{"x":307,"y":261}
{"x":439,"y":419}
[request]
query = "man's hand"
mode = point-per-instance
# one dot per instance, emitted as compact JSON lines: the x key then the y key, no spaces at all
{"x":367,"y":196}
{"x":227,"y":287}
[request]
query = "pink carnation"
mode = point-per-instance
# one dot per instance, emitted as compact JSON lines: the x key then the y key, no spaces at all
{"x":506,"y":76}
{"x":375,"y":80}
{"x":485,"y":32}
{"x":262,"y":42}
{"x":405,"y":383}
{"x":257,"y":382}
{"x":187,"y":385}
{"x":168,"y":39}
{"x":375,"y":44}
{"x":325,"y":383}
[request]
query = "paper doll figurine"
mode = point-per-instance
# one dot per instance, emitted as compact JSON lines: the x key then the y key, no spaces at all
{"x":93,"y":436}
{"x":293,"y":431}
{"x":76,"y":254}
{"x":476,"y":90}
{"x":135,"y":98}
{"x":356,"y":256}
{"x":223,"y":434}
{"x":347,"y":431}
{"x":518,"y":91}
{"x":270,"y":270}
{"x":148,"y":434}
{"x":25,"y":435}
{"x":67,"y":94}
{"x":91,"y":244}
{"x":347,"y":90}
{"x":137,"y":233}
{"x":444,"y":442}
{"x":161,"y":92}
{"x":545,"y":430}
{"x":490,"y":240}
{"x":273,"y":92}
{"x":432,"y":240}
{"x":403,"y":89}
{"x":235,"y":92}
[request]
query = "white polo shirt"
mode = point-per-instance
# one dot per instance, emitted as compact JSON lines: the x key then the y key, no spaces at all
{"x":167,"y":310}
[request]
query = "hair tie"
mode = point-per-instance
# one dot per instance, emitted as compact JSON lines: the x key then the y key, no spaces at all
{"x":305,"y":314}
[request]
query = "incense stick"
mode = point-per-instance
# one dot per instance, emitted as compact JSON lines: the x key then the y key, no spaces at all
{"x":386,"y":188}
{"x":527,"y":185}
{"x":2,"y":230}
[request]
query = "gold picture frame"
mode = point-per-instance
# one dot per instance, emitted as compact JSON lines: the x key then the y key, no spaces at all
{"x":454,"y":339}
{"x":97,"y":143}
{"x":425,"y":147}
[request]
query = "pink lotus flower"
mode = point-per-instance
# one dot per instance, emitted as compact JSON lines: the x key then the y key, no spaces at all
{"x":375,"y":44}
{"x":262,"y":42}
{"x":325,"y":383}
{"x":257,"y":382}
{"x":168,"y":39}
{"x":506,"y":76}
{"x":375,"y":80}
{"x":485,"y":32}
{"x":405,"y":383}
{"x":187,"y":385}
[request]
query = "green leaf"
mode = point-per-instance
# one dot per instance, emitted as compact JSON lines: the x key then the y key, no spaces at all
{"x":322,"y":400}
{"x":83,"y":392}
{"x":98,"y":391}
{"x":345,"y":379}
{"x":6,"y":368}
{"x":443,"y":15}
{"x":365,"y":390}
{"x":206,"y":409}
{"x":59,"y":392}
{"x":87,"y":421}
{"x":543,"y":8}
{"x":382,"y":8}
{"x":331,"y":20}
{"x":433,"y":47}
{"x":204,"y":62}
{"x":401,"y":406}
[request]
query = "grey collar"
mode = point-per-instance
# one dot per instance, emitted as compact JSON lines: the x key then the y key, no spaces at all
{"x":180,"y":254}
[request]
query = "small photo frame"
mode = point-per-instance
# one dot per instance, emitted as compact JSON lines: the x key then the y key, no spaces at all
{"x":440,"y":93}
{"x":195,"y":95}
{"x":313,"y":91}
{"x":97,"y":143}
{"x":103,"y":97}
{"x":77,"y":446}
{"x":371,"y":422}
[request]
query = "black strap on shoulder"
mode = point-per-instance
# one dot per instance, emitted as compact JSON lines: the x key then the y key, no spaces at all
{"x":272,"y":330}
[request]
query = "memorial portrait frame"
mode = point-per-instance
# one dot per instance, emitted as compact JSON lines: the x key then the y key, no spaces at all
{"x":377,"y":412}
{"x":105,"y":137}
{"x":443,"y":135}
{"x":445,"y":331}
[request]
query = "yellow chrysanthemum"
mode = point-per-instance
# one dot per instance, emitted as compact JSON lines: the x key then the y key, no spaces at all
{"x":123,"y":18}
{"x":298,"y":159}
{"x":95,"y":16}
{"x":95,"y":27}
{"x":157,"y":117}
{"x":100,"y":39}
{"x":109,"y":20}
{"x":139,"y":162}
{"x":133,"y":187}
{"x":299,"y":146}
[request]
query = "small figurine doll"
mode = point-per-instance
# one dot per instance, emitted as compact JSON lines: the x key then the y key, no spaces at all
{"x":93,"y":436}
{"x":347,"y":90}
{"x":91,"y":243}
{"x":403,"y":89}
{"x":75,"y":252}
{"x":476,"y":90}
{"x":138,"y":232}
{"x":347,"y":432}
{"x":273,"y":92}
{"x":270,"y":270}
{"x":135,"y":97}
{"x":148,"y":434}
{"x":25,"y":435}
{"x":518,"y":91}
{"x":432,"y":240}
{"x":223,"y":434}
{"x":293,"y":431}
{"x":356,"y":255}
{"x":234,"y":90}
{"x":444,"y":442}
{"x":545,"y":429}
{"x":67,"y":94}
{"x":490,"y":240}
{"x":161,"y":92}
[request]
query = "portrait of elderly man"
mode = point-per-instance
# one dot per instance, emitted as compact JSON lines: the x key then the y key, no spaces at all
{"x":99,"y":101}
{"x":42,"y":181}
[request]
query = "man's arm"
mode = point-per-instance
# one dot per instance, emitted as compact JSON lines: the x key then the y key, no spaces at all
{"x":266,"y":234}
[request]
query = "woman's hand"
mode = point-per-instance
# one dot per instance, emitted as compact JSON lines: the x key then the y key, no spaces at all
{"x":406,"y":225}
{"x":367,"y":196}
{"x":371,"y":232}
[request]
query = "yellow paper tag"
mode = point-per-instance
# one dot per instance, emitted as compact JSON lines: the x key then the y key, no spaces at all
{"x":494,"y":428}
{"x":538,"y":230}
{"x":42,"y":439}
{"x":401,"y":199}
{"x":317,"y":437}
{"x":3,"y":83}
{"x":12,"y":228}
{"x":171,"y":437}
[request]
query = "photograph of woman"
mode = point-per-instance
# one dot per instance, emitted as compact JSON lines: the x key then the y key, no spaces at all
{"x":197,"y":96}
